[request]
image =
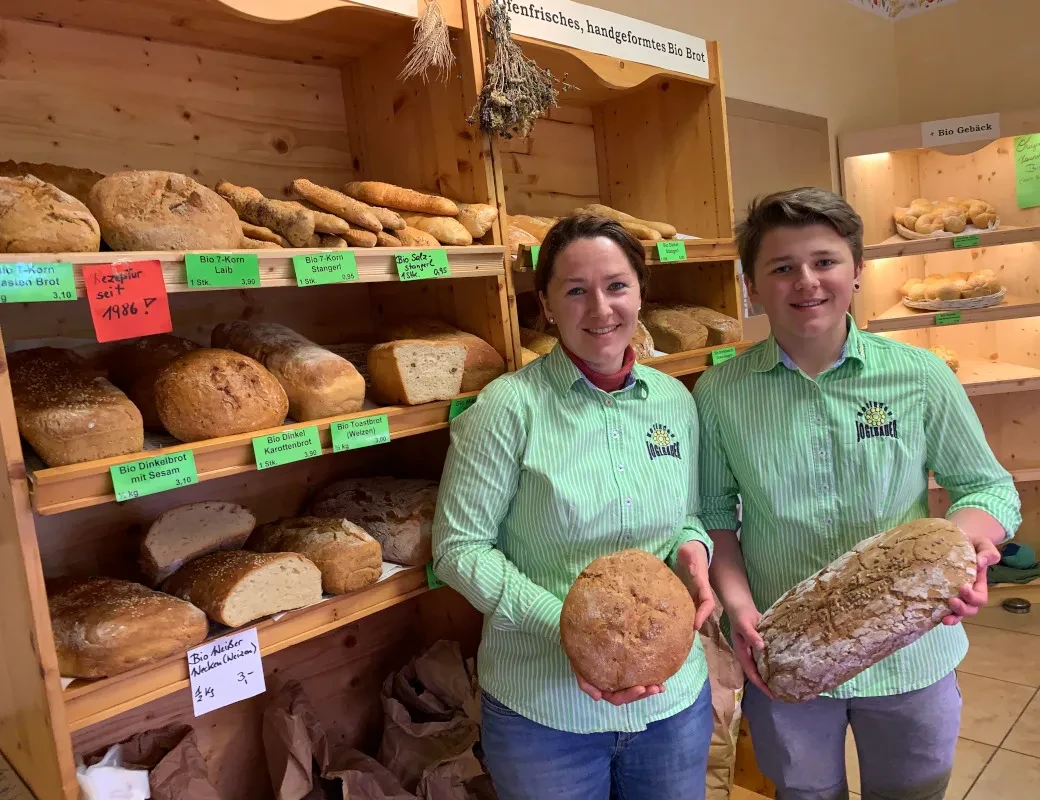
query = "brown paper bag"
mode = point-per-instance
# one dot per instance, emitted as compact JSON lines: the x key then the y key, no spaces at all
{"x":364,"y":778}
{"x":461,"y":777}
{"x":438,"y":683}
{"x":727,"y":688}
{"x":294,"y":742}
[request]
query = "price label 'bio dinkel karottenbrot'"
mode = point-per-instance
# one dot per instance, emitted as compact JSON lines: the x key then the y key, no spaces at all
{"x":285,"y":447}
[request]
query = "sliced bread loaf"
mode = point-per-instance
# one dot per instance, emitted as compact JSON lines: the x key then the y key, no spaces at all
{"x":414,"y":371}
{"x":235,"y":587}
{"x":673,"y":330}
{"x":186,"y":532}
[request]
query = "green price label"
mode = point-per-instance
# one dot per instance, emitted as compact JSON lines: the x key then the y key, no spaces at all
{"x":352,"y":434}
{"x":421,"y":264}
{"x":286,"y":447}
{"x":671,"y":251}
{"x":722,"y":354}
{"x":966,"y":241}
{"x":948,"y":318}
{"x":431,"y":577}
{"x":535,"y":250}
{"x":319,"y":268}
{"x":151,"y":475}
{"x":458,"y":405}
{"x":222,"y":270}
{"x":23,"y":282}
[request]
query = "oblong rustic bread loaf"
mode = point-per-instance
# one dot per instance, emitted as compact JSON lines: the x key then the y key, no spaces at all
{"x":134,"y":365}
{"x":416,"y":371}
{"x":68,"y":412}
{"x":235,"y":587}
{"x":210,"y":393}
{"x":672,"y":329}
{"x":36,"y":217}
{"x":104,"y":626}
{"x":183,"y":533}
{"x":627,"y":621}
{"x":881,"y":596}
{"x":349,"y":559}
{"x":398,"y":513}
{"x":483,"y":362}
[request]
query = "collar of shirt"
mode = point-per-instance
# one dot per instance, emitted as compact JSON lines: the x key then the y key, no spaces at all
{"x":772,"y":354}
{"x":564,"y":374}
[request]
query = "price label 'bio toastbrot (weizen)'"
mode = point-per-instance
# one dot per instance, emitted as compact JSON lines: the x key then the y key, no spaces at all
{"x":225,"y":671}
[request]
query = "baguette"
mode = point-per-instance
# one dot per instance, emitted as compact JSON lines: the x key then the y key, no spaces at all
{"x":257,"y":244}
{"x":667,"y":231}
{"x":415,"y":371}
{"x":384,"y":239}
{"x":252,"y":231}
{"x":387,"y":195}
{"x":477,"y":218}
{"x":317,"y":382}
{"x":291,"y":220}
{"x":389,"y":219}
{"x":445,"y":230}
{"x":328,"y":223}
{"x":332,"y":242}
{"x":359,"y":238}
{"x":413,"y":237}
{"x":337,"y":203}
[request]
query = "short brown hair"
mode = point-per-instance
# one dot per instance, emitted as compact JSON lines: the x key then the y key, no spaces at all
{"x":588,"y":226}
{"x":797,"y":208}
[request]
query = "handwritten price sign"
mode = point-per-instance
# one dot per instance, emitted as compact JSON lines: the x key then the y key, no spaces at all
{"x":420,"y":264}
{"x":225,"y":671}
{"x":127,"y":300}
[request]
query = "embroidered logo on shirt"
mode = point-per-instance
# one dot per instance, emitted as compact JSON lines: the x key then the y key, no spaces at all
{"x":875,"y":419}
{"x":661,"y":442}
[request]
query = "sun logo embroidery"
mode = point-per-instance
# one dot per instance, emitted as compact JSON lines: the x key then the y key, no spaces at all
{"x":875,"y":419}
{"x":661,"y":442}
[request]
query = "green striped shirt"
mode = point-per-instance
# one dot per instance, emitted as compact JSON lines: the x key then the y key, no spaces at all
{"x":544,"y":474}
{"x":819,"y":465}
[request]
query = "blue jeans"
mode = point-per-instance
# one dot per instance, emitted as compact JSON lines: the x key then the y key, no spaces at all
{"x":529,"y":761}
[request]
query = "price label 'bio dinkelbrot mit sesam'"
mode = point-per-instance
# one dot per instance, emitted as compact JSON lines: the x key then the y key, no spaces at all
{"x":37,"y":283}
{"x":285,"y":447}
{"x":151,"y":475}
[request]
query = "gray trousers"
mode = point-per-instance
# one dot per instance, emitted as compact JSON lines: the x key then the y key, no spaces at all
{"x":905,"y":743}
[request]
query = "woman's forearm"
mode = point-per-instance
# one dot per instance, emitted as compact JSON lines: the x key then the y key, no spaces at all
{"x":727,"y":573}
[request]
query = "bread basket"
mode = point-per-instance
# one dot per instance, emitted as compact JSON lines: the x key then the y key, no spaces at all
{"x":970,"y":230}
{"x":957,"y":305}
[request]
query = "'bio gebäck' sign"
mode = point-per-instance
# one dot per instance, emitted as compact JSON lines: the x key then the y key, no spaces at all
{"x":609,"y":34}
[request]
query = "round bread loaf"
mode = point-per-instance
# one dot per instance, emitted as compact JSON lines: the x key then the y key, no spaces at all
{"x":208,"y":393}
{"x":884,"y":594}
{"x":134,"y":364}
{"x":154,"y":210}
{"x":627,"y":621}
{"x":36,"y":217}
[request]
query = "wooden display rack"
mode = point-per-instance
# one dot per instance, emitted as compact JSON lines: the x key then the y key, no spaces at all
{"x":647,"y":141}
{"x":999,"y":346}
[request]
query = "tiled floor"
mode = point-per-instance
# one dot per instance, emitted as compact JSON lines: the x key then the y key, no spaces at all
{"x":998,"y":754}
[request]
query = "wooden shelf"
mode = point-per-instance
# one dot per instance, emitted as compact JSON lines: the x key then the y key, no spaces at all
{"x":374,"y":264}
{"x":691,"y":361}
{"x":59,"y":489}
{"x":897,"y":246}
{"x":89,"y":702}
{"x":901,"y":318}
{"x":698,"y":251}
{"x":981,"y":377}
{"x":1018,"y":475}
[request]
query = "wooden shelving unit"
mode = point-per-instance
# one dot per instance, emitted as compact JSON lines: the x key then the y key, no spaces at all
{"x":697,"y":251}
{"x":903,"y":318}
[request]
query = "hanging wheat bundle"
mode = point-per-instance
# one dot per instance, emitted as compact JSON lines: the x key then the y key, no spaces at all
{"x":432,"y":46}
{"x":516,"y":90}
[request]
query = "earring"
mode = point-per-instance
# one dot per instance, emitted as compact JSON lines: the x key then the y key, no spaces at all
{"x":552,"y":321}
{"x":855,"y":286}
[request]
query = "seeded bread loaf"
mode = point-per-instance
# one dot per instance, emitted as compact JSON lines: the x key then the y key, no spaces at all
{"x":673,"y":330}
{"x":186,"y":532}
{"x":104,"y":626}
{"x":235,"y":587}
{"x":881,"y":596}
{"x":398,"y":513}
{"x":210,"y":393}
{"x":483,"y":363}
{"x":318,"y":382}
{"x":416,"y":371}
{"x":627,"y":621}
{"x":349,"y":559}
{"x":36,"y":217}
{"x":134,"y":365}
{"x":68,"y":412}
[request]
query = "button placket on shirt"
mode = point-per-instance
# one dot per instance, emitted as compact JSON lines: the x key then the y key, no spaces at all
{"x":613,"y":415}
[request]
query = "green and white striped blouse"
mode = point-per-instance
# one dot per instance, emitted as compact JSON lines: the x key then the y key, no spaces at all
{"x":544,"y":474}
{"x":819,"y":465}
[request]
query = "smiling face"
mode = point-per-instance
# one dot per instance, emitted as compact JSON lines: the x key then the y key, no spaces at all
{"x":804,"y":279}
{"x":593,"y":296}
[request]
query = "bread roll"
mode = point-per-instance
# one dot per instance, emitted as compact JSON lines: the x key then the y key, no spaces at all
{"x":627,"y":621}
{"x":317,"y":382}
{"x":416,"y":371}
{"x":349,"y":559}
{"x":948,"y":356}
{"x":67,"y":411}
{"x":210,"y":393}
{"x":36,"y":217}
{"x":674,"y":330}
{"x":881,"y":596}
{"x":186,"y":532}
{"x":104,"y":626}
{"x":483,"y":362}
{"x":384,"y":239}
{"x":398,"y":513}
{"x":446,"y":230}
{"x":235,"y":587}
{"x":477,"y":218}
{"x":413,"y":237}
{"x":389,"y":219}
{"x":534,"y":226}
{"x":134,"y":365}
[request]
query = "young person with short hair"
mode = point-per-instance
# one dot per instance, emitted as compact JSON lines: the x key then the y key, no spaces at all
{"x":826,"y":435}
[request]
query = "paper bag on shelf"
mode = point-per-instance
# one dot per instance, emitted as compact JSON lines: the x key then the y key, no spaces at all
{"x":727,"y":687}
{"x":295,"y":744}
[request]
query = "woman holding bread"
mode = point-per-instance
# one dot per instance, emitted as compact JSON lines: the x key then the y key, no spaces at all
{"x":579,"y":454}
{"x":826,"y":435}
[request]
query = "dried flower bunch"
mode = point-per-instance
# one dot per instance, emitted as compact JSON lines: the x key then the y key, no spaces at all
{"x":432,"y":46}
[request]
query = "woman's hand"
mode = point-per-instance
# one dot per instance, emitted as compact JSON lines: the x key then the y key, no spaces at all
{"x":742,"y":624}
{"x":974,"y":597}
{"x":691,"y":565}
{"x":618,"y":698}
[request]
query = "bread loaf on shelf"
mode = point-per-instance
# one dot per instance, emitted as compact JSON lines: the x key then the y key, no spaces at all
{"x":210,"y":393}
{"x":317,"y":382}
{"x":673,"y":330}
{"x":387,"y":195}
{"x":104,"y":626}
{"x":642,"y":342}
{"x":527,"y":356}
{"x":446,"y":230}
{"x":155,"y":210}
{"x":722,"y":329}
{"x":483,"y":362}
{"x":413,"y":237}
{"x":71,"y":180}
{"x":67,"y":411}
{"x":349,"y":559}
{"x":36,"y":217}
{"x":235,"y":587}
{"x":333,"y":202}
{"x":947,"y":355}
{"x":416,"y":371}
{"x":289,"y":219}
{"x":541,"y":343}
{"x":190,"y":531}
{"x":398,"y":513}
{"x":881,"y":596}
{"x":518,"y":236}
{"x":133,"y":366}
{"x":477,"y":218}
